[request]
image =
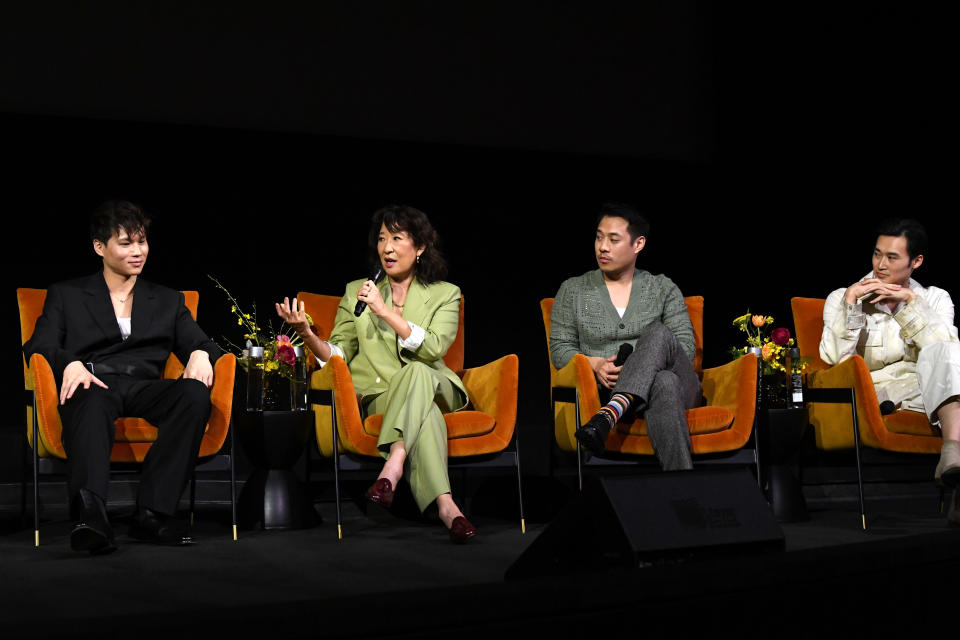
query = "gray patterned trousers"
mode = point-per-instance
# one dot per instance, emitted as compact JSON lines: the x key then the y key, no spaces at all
{"x":660,"y":377}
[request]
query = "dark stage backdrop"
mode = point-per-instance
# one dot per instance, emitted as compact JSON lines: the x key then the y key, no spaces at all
{"x":763,"y":148}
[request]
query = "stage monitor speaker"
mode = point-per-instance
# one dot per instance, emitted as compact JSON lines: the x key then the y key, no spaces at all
{"x":656,"y":518}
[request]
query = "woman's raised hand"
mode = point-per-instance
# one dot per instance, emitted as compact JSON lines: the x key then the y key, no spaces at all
{"x":294,"y":315}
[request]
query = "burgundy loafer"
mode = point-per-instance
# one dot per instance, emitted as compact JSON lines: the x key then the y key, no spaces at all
{"x":461,"y":530}
{"x":381,"y":492}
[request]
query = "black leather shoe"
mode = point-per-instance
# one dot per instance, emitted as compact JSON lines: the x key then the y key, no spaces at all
{"x":159,"y":528}
{"x":593,"y":435}
{"x":93,"y":532}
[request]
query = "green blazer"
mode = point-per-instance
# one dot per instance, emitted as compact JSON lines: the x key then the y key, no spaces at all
{"x":370,"y":345}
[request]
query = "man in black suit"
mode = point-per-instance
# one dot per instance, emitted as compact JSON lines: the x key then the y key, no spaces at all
{"x":107,"y":338}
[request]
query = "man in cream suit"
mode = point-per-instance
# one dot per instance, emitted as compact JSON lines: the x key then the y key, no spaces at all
{"x":905,"y":333}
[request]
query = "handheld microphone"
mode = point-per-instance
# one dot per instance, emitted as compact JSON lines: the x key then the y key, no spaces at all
{"x":361,"y":305}
{"x":622,"y":354}
{"x":887,"y":407}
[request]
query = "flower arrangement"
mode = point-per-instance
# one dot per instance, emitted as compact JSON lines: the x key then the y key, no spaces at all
{"x":278,"y":354}
{"x":774,"y":349}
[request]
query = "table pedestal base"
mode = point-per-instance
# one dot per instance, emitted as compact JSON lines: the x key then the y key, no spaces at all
{"x":275,"y":499}
{"x":781,"y":433}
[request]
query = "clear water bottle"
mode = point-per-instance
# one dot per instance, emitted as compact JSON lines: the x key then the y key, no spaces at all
{"x":796,"y":380}
{"x":298,"y":384}
{"x":255,"y":378}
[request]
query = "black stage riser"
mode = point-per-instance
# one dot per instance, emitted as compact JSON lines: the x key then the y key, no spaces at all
{"x":654,"y":518}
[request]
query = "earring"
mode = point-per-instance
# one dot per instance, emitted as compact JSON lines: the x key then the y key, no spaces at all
{"x":418,"y":258}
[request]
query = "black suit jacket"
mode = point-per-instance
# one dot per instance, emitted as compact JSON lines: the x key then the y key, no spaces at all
{"x":78,"y":323}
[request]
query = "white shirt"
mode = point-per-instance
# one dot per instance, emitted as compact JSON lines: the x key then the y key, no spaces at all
{"x":124,"y":327}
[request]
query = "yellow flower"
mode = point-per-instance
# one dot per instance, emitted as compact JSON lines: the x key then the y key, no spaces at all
{"x":239,"y":321}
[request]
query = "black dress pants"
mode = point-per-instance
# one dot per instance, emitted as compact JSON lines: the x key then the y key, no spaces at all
{"x":178,"y":408}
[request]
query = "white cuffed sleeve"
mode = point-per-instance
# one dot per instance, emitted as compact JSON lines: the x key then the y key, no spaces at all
{"x":334,"y":351}
{"x":414,"y":340}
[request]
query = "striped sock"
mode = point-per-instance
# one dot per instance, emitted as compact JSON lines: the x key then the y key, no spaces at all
{"x":618,"y":405}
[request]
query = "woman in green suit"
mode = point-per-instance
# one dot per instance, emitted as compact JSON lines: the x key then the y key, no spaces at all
{"x":395,"y":349}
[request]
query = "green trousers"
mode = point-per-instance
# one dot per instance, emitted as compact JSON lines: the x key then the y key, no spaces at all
{"x":413,"y":407}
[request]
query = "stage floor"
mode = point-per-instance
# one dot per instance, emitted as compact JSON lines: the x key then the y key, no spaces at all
{"x":394,"y":577}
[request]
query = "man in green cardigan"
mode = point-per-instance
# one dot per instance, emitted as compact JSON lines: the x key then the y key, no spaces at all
{"x":597,"y":312}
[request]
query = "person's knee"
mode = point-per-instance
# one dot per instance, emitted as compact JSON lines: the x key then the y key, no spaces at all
{"x":95,"y":399}
{"x":945,"y":349}
{"x":655,"y":331}
{"x":413,"y":369}
{"x":195,"y":393}
{"x":665,"y":387}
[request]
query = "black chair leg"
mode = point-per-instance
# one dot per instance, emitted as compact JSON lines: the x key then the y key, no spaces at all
{"x":579,"y":448}
{"x":516,"y":453}
{"x":233,"y":483}
{"x":36,"y":475}
{"x":856,"y":448}
{"x":336,"y":463}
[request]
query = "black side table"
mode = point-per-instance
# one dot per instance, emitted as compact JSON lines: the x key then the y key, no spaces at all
{"x":781,"y":432}
{"x":273,"y":497}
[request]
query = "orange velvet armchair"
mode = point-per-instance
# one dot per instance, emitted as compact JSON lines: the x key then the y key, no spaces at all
{"x":903,"y":431}
{"x":485,"y":428}
{"x":134,"y":435}
{"x":724,"y":424}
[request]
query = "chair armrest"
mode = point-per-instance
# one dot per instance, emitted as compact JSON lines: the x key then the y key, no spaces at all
{"x":492,"y":389}
{"x":335,"y":377}
{"x":851,"y":372}
{"x":578,"y":374}
{"x":173,"y":368}
{"x":722,"y":385}
{"x":41,"y":381}
{"x":221,"y":404}
{"x":854,"y":372}
{"x":734,"y":387}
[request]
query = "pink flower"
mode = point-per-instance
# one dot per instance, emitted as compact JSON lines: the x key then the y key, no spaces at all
{"x":285,"y":353}
{"x":780,"y":336}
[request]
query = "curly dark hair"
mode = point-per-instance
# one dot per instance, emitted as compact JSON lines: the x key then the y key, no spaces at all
{"x":115,"y":215}
{"x":432,"y":265}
